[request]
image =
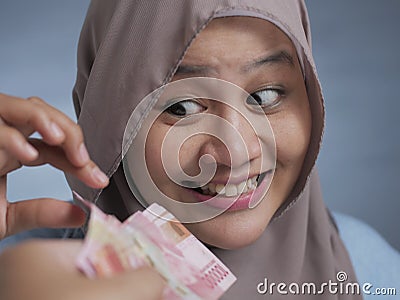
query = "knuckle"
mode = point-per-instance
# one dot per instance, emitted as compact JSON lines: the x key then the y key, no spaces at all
{"x":40,"y":104}
{"x":39,"y":115}
{"x":36,"y":100}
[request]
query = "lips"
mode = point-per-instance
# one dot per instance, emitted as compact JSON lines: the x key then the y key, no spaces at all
{"x":229,"y":189}
{"x":243,"y":200}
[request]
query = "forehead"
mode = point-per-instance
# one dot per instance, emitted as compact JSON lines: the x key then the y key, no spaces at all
{"x":233,"y":38}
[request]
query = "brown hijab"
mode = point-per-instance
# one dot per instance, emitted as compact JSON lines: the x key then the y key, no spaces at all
{"x":120,"y":45}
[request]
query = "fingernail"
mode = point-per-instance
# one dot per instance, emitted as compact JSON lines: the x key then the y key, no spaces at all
{"x":99,"y":176}
{"x":84,"y":156}
{"x":56,"y":130}
{"x":31,"y":151}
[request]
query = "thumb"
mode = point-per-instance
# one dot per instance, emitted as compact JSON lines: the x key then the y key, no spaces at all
{"x":40,"y":213}
{"x":144,"y":283}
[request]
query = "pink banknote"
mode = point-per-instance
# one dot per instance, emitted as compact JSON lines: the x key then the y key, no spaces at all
{"x":153,"y":238}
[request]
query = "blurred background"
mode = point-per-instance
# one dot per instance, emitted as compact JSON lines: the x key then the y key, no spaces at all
{"x":356,"y":48}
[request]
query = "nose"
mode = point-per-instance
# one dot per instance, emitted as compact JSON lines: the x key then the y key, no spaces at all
{"x":236,"y":145}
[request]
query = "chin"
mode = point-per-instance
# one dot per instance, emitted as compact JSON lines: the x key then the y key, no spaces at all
{"x":231,"y":230}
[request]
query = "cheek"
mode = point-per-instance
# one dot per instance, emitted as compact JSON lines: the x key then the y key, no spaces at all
{"x":292,"y":135}
{"x":153,"y":153}
{"x":187,"y":156}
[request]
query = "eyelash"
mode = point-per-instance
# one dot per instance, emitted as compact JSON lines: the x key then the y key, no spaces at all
{"x":180,"y":103}
{"x":251,"y":100}
{"x":255,"y":96}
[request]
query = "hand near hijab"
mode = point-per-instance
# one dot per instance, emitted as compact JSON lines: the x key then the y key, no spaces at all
{"x":46,"y":270}
{"x":61,"y":146}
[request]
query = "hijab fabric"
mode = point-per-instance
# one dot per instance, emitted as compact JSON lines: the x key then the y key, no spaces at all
{"x":128,"y":49}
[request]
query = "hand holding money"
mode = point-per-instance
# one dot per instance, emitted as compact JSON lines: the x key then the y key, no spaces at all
{"x":153,"y":239}
{"x":46,"y":270}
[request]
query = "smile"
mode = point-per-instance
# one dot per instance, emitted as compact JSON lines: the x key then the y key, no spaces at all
{"x":244,"y":195}
{"x":231,"y":190}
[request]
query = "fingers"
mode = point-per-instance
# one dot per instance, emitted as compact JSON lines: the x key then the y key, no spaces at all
{"x":61,"y":145}
{"x":40,"y":269}
{"x":12,"y":141}
{"x":144,"y":283}
{"x":28,"y":268}
{"x":90,"y":174}
{"x":38,"y":153}
{"x":72,"y":143}
{"x":54,"y":127}
{"x":63,"y":138}
{"x":58,"y":254}
{"x":32,"y":115}
{"x":42,"y":213}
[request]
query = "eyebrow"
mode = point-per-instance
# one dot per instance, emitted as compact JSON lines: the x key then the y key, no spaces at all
{"x":191,"y":70}
{"x":281,"y":57}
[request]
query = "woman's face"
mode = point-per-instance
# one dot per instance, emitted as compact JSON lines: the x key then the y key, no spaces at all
{"x":258,"y":57}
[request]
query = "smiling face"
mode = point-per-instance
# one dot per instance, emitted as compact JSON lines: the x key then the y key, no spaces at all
{"x":258,"y":57}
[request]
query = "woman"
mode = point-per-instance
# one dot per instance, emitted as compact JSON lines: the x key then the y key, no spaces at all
{"x":127,"y":51}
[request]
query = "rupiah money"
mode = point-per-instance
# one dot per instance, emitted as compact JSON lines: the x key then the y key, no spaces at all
{"x":153,"y":238}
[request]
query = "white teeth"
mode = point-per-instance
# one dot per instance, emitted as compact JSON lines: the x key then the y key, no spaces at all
{"x":242,"y":187}
{"x":230,"y":190}
{"x":211,"y":188}
{"x":249,"y":183}
{"x":220,"y":189}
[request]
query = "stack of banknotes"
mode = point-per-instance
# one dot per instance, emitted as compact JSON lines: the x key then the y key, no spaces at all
{"x":154,"y":239}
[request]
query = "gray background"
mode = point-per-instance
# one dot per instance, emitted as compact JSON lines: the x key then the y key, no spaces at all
{"x":356,"y":48}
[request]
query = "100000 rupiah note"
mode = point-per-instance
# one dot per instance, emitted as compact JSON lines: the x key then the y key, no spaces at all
{"x":154,"y":239}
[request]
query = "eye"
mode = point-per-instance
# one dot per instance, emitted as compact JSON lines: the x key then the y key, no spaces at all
{"x":185,"y":108}
{"x":265,"y":98}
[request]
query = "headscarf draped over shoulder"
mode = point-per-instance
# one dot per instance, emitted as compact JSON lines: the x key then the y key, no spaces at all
{"x":128,"y":49}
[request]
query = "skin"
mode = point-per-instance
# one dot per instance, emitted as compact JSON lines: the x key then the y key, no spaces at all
{"x":62,"y":147}
{"x":27,"y":269}
{"x":226,"y":45}
{"x":53,"y":275}
{"x":225,"y":50}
